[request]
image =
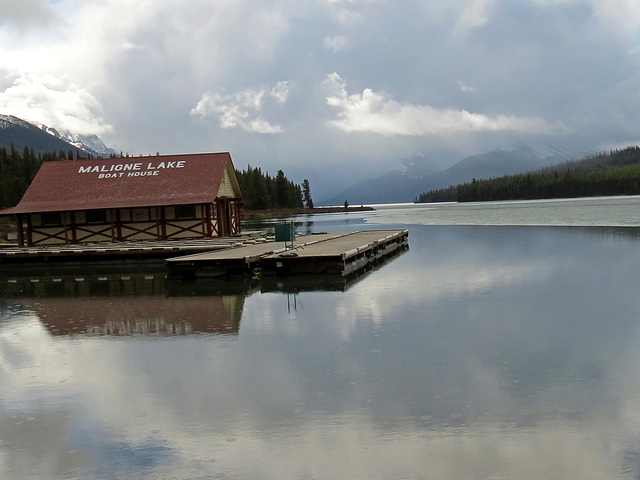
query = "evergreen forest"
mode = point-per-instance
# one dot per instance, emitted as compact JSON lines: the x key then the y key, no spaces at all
{"x":262,"y":191}
{"x":17,"y":169}
{"x":613,"y":173}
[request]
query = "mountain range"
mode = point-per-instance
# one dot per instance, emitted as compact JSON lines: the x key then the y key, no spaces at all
{"x":419,"y":175}
{"x":43,"y":139}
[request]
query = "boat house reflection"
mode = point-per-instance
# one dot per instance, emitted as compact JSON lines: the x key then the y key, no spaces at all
{"x":120,"y":302}
{"x":139,"y":315}
{"x":125,"y":305}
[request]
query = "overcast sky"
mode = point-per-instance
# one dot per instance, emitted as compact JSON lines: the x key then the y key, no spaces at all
{"x":323,"y":88}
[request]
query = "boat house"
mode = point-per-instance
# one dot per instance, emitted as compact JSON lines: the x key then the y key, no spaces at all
{"x":130,"y":199}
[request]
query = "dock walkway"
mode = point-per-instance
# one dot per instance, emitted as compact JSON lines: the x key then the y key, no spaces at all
{"x":141,"y":250}
{"x":342,"y":253}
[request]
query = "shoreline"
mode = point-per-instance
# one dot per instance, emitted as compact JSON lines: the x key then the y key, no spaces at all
{"x":292,"y":212}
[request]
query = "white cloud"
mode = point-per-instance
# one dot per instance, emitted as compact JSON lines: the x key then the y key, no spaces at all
{"x":374,"y":113}
{"x":56,"y":103}
{"x":335,"y":43}
{"x":121,"y":54}
{"x":243,"y":108}
{"x":348,"y":18}
{"x":475,"y":15}
{"x":280,"y":92}
{"x":467,"y":89}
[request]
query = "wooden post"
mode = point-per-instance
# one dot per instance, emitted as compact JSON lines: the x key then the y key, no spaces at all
{"x":29,"y":227}
{"x":223,"y":227}
{"x":161,"y":232}
{"x":63,"y":218}
{"x":238,"y":229}
{"x":112,"y":214}
{"x":20,"y":230}
{"x":208,"y":220}
{"x":74,"y":233}
{"x":118,"y":226}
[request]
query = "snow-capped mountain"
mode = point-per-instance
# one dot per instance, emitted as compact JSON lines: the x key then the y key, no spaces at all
{"x":20,"y":134}
{"x":88,"y":143}
{"x":8,"y":121}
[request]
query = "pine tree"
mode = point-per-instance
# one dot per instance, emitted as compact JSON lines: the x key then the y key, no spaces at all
{"x":306,"y":194}
{"x":281,"y":189}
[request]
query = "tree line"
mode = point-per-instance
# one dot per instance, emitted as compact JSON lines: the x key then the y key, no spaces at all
{"x":616,"y":172}
{"x":17,"y":169}
{"x":262,"y":191}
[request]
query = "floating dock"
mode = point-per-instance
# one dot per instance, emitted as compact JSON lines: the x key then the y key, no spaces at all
{"x":341,"y":253}
{"x":332,"y":253}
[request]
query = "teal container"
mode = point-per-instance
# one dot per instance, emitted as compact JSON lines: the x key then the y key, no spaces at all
{"x":285,"y":232}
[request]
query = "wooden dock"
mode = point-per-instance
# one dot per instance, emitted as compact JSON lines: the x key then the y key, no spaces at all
{"x":342,"y":253}
{"x":115,"y":251}
{"x":251,"y":254}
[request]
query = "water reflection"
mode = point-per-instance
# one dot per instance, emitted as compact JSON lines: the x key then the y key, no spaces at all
{"x":479,"y":353}
{"x":138,"y":315}
{"x":124,"y":304}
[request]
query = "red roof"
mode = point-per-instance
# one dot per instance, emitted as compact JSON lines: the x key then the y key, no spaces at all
{"x":125,"y":182}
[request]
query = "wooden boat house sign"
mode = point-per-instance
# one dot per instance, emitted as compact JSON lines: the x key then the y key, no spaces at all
{"x":133,"y":198}
{"x":119,"y":170}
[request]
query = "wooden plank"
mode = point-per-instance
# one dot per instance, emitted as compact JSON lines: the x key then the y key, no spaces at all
{"x":251,"y":251}
{"x":347,"y":245}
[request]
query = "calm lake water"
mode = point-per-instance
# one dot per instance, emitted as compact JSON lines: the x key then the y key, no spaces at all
{"x":485,"y":351}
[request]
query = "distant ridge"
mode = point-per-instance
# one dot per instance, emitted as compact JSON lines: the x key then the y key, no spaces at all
{"x":612,"y":173}
{"x":419,"y":176}
{"x":20,"y":134}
